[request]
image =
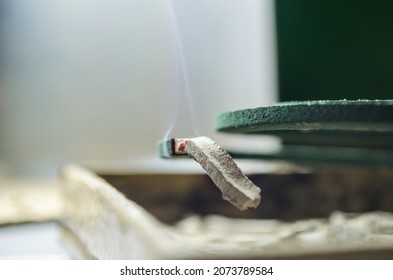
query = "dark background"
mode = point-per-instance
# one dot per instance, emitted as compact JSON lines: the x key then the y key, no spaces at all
{"x":335,"y":49}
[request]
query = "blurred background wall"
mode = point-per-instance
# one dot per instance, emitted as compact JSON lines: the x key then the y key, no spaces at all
{"x":87,"y":79}
{"x":95,"y":80}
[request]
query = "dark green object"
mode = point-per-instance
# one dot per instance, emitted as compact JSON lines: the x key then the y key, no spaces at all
{"x":335,"y":49}
{"x":349,"y":131}
{"x":311,"y":155}
{"x":329,"y":115}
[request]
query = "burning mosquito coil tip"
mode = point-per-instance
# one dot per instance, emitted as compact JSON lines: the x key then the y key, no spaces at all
{"x":219,"y":165}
